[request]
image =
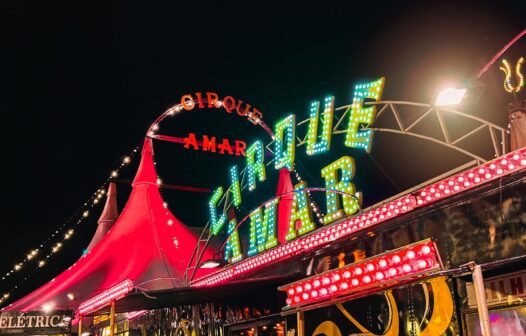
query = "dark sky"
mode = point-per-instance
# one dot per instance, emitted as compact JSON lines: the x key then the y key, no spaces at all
{"x":82,"y":82}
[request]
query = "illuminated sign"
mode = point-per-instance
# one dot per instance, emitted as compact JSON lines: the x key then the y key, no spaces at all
{"x":211,"y":144}
{"x":505,"y":289}
{"x":342,"y":199}
{"x":386,"y":269}
{"x":229,"y":103}
{"x":467,"y":180}
{"x":36,"y":322}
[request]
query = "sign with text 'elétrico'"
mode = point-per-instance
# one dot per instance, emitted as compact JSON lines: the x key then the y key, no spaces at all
{"x":36,"y":322}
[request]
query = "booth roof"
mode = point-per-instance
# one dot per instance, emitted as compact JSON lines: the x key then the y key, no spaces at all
{"x":263,"y":291}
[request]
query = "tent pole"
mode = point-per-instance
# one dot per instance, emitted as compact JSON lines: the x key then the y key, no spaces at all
{"x":300,"y":318}
{"x":112,"y":318}
{"x":480,"y":294}
{"x":80,"y":325}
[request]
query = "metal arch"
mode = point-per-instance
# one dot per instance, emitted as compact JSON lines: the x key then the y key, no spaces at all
{"x":384,"y":107}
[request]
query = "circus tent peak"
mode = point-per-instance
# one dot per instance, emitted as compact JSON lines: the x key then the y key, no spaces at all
{"x":107,"y":218}
{"x":147,"y":244}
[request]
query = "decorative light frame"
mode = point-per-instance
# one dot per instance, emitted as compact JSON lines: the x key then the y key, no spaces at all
{"x":381,"y":271}
{"x":103,"y":299}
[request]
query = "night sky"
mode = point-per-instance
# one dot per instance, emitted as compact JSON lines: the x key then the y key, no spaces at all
{"x":82,"y":83}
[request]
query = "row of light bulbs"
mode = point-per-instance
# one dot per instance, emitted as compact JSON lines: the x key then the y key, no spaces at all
{"x":34,"y":253}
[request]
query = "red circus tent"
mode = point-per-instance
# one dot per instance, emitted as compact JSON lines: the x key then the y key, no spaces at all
{"x":147,"y":244}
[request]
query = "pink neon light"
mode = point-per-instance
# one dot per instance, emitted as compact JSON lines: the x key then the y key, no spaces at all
{"x":500,"y":167}
{"x":474,"y":177}
{"x":103,"y":299}
{"x":379,"y":271}
{"x":134,"y":314}
{"x":497,"y":55}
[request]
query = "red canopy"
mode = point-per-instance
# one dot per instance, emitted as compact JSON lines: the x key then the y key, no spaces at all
{"x":147,"y":244}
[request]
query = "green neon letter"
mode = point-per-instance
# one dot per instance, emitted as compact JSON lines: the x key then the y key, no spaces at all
{"x":301,"y":215}
{"x":350,"y":201}
{"x":285,"y":142}
{"x":360,"y":115}
{"x":234,"y":185}
{"x":216,"y":223}
{"x":313,"y":146}
{"x":255,"y":164}
{"x":263,"y":233}
{"x":233,"y":248}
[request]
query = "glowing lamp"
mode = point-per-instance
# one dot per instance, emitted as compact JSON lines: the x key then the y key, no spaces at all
{"x":103,"y":299}
{"x":409,"y":263}
{"x":450,"y":96}
{"x":213,"y":263}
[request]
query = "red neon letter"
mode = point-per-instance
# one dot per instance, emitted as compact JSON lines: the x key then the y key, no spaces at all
{"x":199,"y":100}
{"x":209,"y":144}
{"x":225,"y":146}
{"x":245,"y":112}
{"x":188,"y":102}
{"x":212,"y":98}
{"x":229,"y":103}
{"x":240,"y":147}
{"x":191,"y":141}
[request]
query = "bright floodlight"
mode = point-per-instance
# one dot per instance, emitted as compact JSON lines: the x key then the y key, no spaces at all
{"x":213,"y":263}
{"x":450,"y":96}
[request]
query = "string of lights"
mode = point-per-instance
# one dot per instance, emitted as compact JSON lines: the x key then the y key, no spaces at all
{"x":313,"y":204}
{"x":65,"y":230}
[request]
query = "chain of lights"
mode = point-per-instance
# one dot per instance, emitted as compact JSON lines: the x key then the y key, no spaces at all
{"x":393,"y":267}
{"x":506,"y":68}
{"x":345,"y":165}
{"x":313,"y":204}
{"x":313,"y":146}
{"x":263,"y":232}
{"x":363,"y":115}
{"x":285,"y":142}
{"x":38,"y":255}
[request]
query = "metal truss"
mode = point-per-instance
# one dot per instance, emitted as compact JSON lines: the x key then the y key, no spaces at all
{"x":496,"y":134}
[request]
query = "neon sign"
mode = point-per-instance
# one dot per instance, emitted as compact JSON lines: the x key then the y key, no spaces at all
{"x":229,"y":103}
{"x":467,"y":180}
{"x":506,"y":68}
{"x":342,"y":199}
{"x":211,"y":144}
